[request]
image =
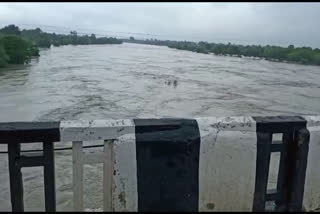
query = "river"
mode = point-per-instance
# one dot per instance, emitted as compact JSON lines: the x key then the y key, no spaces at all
{"x":132,"y":80}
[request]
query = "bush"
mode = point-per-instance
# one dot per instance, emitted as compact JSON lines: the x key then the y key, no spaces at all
{"x":316,"y":59}
{"x":44,"y":43}
{"x":3,"y":57}
{"x":18,"y":50}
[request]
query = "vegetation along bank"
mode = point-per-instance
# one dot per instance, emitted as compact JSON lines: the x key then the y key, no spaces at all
{"x":19,"y":46}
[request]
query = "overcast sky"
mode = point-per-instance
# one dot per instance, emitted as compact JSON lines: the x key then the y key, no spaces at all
{"x":253,"y":23}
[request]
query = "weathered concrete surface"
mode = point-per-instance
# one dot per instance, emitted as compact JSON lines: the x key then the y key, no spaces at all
{"x":227,"y":163}
{"x":125,"y":194}
{"x":312,"y":185}
{"x":83,"y":130}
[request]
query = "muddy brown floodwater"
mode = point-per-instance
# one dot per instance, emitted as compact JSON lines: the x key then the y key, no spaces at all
{"x":130,"y":81}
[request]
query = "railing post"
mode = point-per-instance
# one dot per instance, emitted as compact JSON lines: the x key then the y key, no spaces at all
{"x":79,"y":159}
{"x":282,"y":181}
{"x":108,"y":168}
{"x":15,"y":133}
{"x":77,"y":162}
{"x":262,"y":170}
{"x":288,"y":195}
{"x":17,"y":161}
{"x":301,"y":144}
{"x":16,"y":185}
{"x":49,"y":177}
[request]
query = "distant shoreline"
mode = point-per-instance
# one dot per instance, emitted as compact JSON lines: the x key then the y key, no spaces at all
{"x":18,"y":46}
{"x":292,"y":55}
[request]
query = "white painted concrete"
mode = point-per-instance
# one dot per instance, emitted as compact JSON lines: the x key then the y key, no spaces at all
{"x":79,"y":158}
{"x":125,"y":192}
{"x":226,"y":168}
{"x":227,"y":163}
{"x":77,"y":181}
{"x":312,"y":185}
{"x":108,"y":168}
{"x":85,"y":130}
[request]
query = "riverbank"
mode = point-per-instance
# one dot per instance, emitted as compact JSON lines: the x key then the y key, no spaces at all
{"x":16,"y":50}
{"x":290,"y":54}
{"x":18,"y":46}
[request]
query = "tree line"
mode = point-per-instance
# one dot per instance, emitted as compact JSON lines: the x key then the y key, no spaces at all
{"x":19,"y":46}
{"x":301,"y":55}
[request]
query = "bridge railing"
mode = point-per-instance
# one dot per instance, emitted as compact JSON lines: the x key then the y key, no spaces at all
{"x":200,"y":164}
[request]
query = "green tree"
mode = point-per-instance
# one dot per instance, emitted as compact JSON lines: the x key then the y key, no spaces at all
{"x":44,"y":42}
{"x":3,"y":57}
{"x":291,"y":46}
{"x":93,"y":38}
{"x":74,"y":37}
{"x":11,"y":30}
{"x":18,"y":50}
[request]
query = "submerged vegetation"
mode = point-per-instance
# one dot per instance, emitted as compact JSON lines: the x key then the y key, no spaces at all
{"x":16,"y":50}
{"x":301,"y":55}
{"x":19,"y":46}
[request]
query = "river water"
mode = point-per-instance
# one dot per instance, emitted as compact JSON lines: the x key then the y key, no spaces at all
{"x":132,"y":80}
